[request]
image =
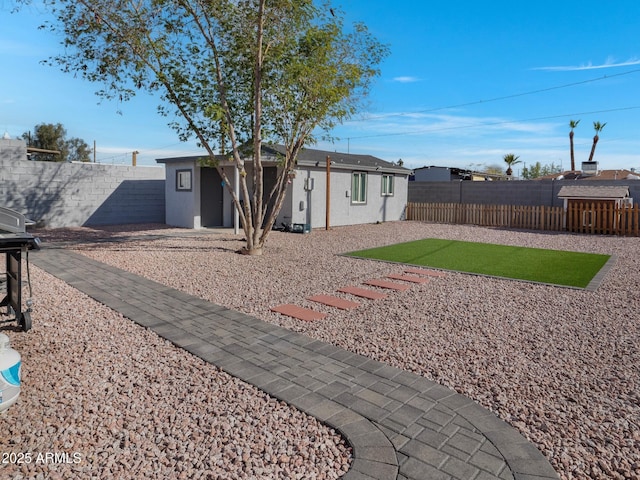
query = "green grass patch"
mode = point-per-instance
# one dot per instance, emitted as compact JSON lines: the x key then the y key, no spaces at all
{"x":573,"y":269}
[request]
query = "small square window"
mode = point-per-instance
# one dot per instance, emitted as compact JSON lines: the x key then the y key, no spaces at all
{"x":387,"y":185}
{"x":183,"y":180}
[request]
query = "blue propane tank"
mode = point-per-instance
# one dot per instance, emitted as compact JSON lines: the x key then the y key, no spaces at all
{"x":10,"y":364}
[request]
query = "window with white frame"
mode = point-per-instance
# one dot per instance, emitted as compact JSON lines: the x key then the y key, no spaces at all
{"x":359,"y":187}
{"x":183,"y":180}
{"x":387,"y":185}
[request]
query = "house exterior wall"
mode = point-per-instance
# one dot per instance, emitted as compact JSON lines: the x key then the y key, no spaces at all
{"x":309,"y":207}
{"x":182,"y":206}
{"x":75,"y":194}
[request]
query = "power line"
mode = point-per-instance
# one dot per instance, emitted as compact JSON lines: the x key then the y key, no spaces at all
{"x":505,"y":97}
{"x":505,"y":122}
{"x":477,"y":102}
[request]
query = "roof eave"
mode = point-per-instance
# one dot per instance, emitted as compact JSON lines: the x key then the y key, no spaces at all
{"x":354,"y":167}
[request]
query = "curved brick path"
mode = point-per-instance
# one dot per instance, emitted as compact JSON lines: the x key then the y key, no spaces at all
{"x":400,"y":425}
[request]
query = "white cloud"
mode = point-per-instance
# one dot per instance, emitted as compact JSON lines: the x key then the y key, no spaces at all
{"x":406,"y":79}
{"x":415,"y":123}
{"x":609,"y":63}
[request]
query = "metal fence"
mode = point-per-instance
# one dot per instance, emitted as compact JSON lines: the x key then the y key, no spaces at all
{"x":596,"y":217}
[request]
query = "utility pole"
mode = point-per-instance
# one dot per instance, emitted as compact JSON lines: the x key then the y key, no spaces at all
{"x":134,"y":157}
{"x":94,"y":151}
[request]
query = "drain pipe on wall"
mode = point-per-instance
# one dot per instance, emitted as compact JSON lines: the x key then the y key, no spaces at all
{"x":236,"y":188}
{"x":328,"y":196}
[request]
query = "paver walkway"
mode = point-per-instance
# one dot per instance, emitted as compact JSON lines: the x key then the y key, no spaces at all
{"x":400,"y":425}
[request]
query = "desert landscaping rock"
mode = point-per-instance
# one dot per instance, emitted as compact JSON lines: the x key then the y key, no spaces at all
{"x":113,"y":400}
{"x":560,"y":365}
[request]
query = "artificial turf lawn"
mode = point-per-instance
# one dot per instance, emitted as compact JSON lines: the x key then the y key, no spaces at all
{"x":557,"y":267}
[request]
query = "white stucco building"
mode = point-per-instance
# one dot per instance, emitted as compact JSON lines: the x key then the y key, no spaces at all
{"x":363,"y":189}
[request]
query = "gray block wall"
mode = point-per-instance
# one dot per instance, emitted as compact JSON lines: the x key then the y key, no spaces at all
{"x":79,"y":194}
{"x":525,"y":192}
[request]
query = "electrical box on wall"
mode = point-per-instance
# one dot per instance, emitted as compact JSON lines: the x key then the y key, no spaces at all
{"x":301,"y":205}
{"x":308,"y":184}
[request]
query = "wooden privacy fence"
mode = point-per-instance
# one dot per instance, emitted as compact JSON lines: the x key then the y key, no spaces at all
{"x":603,"y":219}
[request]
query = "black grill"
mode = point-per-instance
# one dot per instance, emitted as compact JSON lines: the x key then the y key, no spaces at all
{"x":14,"y":242}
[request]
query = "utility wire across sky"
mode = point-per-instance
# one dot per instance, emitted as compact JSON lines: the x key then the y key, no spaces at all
{"x":477,"y":102}
{"x":490,"y":124}
{"x":505,"y":97}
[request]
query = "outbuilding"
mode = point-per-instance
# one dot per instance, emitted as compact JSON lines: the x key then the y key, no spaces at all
{"x":362,"y":189}
{"x":591,"y":206}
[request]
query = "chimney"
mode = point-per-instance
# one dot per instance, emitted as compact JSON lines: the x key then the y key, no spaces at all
{"x":589,"y":168}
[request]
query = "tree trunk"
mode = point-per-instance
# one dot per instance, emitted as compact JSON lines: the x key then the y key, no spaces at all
{"x":254,"y":245}
{"x":255,"y":251}
{"x":573,"y":161}
{"x":593,"y":147}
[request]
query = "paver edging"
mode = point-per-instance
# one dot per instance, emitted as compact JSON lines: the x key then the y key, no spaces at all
{"x":374,"y":456}
{"x":517,"y":451}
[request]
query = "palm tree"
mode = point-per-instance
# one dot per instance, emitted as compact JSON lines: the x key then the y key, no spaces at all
{"x":597,"y":126}
{"x":510,"y":159}
{"x":573,"y":124}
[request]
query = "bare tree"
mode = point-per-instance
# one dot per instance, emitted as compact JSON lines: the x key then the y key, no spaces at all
{"x":235,"y":73}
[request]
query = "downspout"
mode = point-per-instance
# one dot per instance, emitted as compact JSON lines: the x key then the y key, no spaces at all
{"x":328,"y":196}
{"x":236,"y":188}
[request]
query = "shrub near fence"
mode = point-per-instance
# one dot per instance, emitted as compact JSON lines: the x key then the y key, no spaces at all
{"x":623,"y":220}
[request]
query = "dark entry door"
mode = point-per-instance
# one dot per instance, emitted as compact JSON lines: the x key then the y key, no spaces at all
{"x":211,"y":190}
{"x":270,"y":176}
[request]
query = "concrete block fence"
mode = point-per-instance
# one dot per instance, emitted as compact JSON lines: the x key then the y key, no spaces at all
{"x":525,"y":192}
{"x":76,"y":194}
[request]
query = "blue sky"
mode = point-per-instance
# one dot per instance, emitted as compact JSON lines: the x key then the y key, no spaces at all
{"x":466,"y":83}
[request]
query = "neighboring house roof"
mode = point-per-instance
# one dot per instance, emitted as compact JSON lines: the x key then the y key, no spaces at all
{"x":581,"y":191}
{"x":310,"y":157}
{"x":601,"y":175}
{"x":465,"y":173}
{"x":454,"y":170}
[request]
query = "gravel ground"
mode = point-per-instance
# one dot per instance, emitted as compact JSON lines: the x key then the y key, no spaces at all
{"x":104,"y":398}
{"x":560,"y":365}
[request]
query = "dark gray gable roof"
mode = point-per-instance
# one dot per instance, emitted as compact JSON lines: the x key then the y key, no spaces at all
{"x":191,"y":158}
{"x":311,"y":157}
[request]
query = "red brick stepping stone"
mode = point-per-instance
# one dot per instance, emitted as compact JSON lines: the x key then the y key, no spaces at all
{"x":429,"y":273}
{"x":386,"y":284}
{"x":334,"y":302}
{"x":363,"y":292}
{"x":298,"y":312}
{"x":408,"y":278}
